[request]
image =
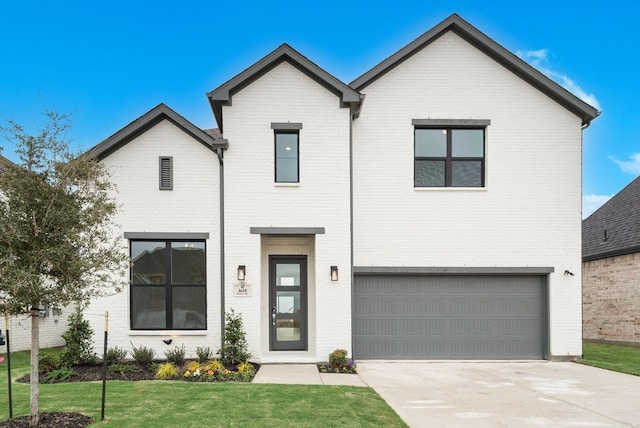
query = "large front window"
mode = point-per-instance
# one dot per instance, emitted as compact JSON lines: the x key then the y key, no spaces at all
{"x":168,"y":285}
{"x":449,"y":157}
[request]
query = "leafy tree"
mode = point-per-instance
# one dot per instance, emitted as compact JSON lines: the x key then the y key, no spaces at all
{"x":57,"y":244}
{"x":235,"y":347}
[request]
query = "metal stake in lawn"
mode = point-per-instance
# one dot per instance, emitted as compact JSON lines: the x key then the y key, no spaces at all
{"x":6,"y":326}
{"x":104,"y":363}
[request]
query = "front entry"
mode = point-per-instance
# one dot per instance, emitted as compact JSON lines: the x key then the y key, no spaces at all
{"x":288,"y":303}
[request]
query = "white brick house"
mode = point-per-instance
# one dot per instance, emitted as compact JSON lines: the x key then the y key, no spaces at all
{"x":428,"y":209}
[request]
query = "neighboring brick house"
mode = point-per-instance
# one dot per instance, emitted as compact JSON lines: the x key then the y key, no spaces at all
{"x":400,"y":216}
{"x":611,"y":269}
{"x":52,"y":325}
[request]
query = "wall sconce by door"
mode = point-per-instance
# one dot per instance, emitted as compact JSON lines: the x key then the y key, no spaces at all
{"x":242,"y":272}
{"x":334,"y":273}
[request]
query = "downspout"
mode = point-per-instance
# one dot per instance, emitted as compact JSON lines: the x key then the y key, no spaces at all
{"x":222,"y":260}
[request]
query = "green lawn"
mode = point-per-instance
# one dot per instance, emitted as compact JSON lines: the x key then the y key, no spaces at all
{"x":186,"y":404}
{"x":624,"y":359}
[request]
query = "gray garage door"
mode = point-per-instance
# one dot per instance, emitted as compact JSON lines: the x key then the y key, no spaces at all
{"x":449,"y":317}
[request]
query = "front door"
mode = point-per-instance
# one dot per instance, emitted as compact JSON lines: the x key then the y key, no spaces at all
{"x":288,"y":303}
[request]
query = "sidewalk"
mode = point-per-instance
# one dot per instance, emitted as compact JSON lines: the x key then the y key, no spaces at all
{"x":303,"y":374}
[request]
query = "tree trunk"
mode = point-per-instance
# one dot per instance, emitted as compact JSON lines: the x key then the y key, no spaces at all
{"x":35,"y":378}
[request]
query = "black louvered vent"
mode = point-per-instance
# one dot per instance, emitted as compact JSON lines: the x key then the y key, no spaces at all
{"x":166,"y":173}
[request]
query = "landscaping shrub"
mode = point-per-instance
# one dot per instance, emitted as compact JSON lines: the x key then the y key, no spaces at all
{"x":122,"y":368}
{"x":62,"y":374}
{"x":204,"y":354}
{"x":235,"y":347}
{"x":78,"y":341}
{"x":176,"y":355}
{"x":167,"y":371}
{"x":143,"y":355}
{"x":246,"y":368}
{"x":48,"y":362}
{"x":338,"y":358}
{"x":214,"y":366}
{"x":193,"y":366}
{"x":116,"y":355}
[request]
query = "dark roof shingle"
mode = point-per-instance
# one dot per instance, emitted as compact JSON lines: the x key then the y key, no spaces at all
{"x":614,"y":229}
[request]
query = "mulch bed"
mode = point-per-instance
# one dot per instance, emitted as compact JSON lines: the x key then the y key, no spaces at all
{"x":328,"y":368}
{"x":51,"y":420}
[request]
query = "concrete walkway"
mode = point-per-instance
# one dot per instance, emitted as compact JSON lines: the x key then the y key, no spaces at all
{"x":303,"y":374}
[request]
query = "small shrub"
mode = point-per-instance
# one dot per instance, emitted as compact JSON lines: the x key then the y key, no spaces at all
{"x":235,"y":347}
{"x":116,"y":355}
{"x":204,"y":354}
{"x":78,"y":341}
{"x":143,"y":355}
{"x":122,"y":368}
{"x":62,"y":374}
{"x":214,"y":366}
{"x":176,"y":355}
{"x":338,"y":358}
{"x":48,"y":362}
{"x":167,"y":371}
{"x":246,"y":368}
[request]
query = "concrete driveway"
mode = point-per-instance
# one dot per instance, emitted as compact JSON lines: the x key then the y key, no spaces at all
{"x":505,"y":394}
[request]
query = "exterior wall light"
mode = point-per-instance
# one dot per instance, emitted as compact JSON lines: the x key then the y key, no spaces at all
{"x":242,"y":272}
{"x":167,"y":341}
{"x":334,"y":273}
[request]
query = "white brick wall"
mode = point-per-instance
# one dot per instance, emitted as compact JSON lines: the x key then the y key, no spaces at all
{"x":321,"y":199}
{"x":527,"y":215}
{"x":192,"y":206}
{"x":51,"y":329}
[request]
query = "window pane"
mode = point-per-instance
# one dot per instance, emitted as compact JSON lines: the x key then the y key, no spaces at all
{"x":429,"y":173}
{"x":466,"y":174}
{"x":288,"y":330}
{"x":287,"y":170}
{"x":286,"y":158}
{"x":288,"y":274}
{"x":189,"y":308}
{"x":288,"y":302}
{"x":148,"y":262}
{"x":431,"y":143}
{"x":148,"y":308}
{"x":467,"y":143}
{"x":187,"y":263}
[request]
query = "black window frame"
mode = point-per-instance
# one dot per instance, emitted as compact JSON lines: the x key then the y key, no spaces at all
{"x":276,"y":132}
{"x":168,"y":285}
{"x":449,"y":158}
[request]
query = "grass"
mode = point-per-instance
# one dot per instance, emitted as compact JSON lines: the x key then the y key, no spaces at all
{"x":188,"y":404}
{"x":623,"y":359}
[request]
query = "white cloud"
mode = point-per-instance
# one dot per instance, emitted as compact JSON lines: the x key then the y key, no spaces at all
{"x":590,"y":203}
{"x":539,"y":59}
{"x":631,"y":166}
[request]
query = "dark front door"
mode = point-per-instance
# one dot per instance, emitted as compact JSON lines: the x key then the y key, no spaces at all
{"x":288,"y":302}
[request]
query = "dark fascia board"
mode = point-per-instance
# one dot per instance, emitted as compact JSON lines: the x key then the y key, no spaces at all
{"x":286,"y":231}
{"x":494,"y":50}
{"x":223,"y":94}
{"x":451,"y":270}
{"x":613,"y":253}
{"x":166,"y":235}
{"x":147,"y":121}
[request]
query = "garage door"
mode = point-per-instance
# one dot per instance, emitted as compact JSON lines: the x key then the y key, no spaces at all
{"x":449,"y":317}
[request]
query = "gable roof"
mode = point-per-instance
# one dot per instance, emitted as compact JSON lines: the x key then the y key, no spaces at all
{"x":147,"y":121}
{"x":223,"y":94}
{"x":485,"y":44}
{"x":614,"y":229}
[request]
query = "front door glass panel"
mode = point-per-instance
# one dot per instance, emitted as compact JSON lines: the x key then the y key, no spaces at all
{"x":288,"y":302}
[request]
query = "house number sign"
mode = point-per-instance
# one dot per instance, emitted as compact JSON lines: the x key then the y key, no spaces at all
{"x":242,"y":289}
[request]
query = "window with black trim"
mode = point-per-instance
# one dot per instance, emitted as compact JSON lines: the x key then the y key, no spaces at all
{"x":449,"y":157}
{"x":287,"y":165}
{"x":168,"y":285}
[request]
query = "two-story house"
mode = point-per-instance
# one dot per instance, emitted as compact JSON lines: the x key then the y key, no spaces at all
{"x":428,"y":209}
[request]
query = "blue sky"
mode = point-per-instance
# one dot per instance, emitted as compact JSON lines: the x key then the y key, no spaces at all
{"x":107,"y":63}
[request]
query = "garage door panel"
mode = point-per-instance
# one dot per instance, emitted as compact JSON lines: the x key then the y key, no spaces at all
{"x":399,"y":317}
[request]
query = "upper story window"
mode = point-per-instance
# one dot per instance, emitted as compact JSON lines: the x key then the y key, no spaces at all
{"x":449,"y":156}
{"x":287,"y":152}
{"x":168,"y":285}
